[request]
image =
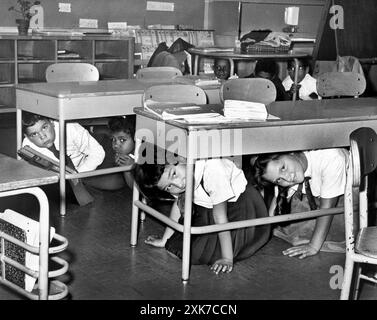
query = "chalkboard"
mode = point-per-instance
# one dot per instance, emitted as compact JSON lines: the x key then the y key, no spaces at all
{"x":347,"y":28}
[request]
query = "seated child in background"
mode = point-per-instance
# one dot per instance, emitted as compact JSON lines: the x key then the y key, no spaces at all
{"x":121,"y":132}
{"x":268,"y":69}
{"x":327,"y":172}
{"x":221,"y":68}
{"x":235,"y":200}
{"x":82,"y":149}
{"x":306,"y":85}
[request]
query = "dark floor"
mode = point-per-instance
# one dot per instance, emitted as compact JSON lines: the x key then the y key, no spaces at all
{"x":103,"y":266}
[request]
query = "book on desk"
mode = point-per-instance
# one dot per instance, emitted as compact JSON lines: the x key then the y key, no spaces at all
{"x":233,"y":111}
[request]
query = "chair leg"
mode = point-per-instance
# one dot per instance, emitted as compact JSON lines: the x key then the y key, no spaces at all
{"x":357,"y":281}
{"x":347,"y":279}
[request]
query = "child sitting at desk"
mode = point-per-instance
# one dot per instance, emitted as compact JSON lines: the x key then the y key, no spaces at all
{"x":306,"y":88}
{"x":84,"y":152}
{"x":326,"y":170}
{"x":268,"y":69}
{"x":221,"y":194}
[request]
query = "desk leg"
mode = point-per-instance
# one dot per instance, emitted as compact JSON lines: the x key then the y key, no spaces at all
{"x":297,"y":64}
{"x":196,"y":65}
{"x":231,"y":64}
{"x":62,"y":166}
{"x":187,"y":221}
{"x":19,"y":130}
{"x":135,"y":197}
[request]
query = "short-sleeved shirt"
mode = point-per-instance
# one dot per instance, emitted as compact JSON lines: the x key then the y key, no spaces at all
{"x":216,"y":181}
{"x":308,"y":86}
{"x":327,"y":172}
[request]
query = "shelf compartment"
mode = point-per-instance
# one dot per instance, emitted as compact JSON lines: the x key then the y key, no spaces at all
{"x":107,"y":49}
{"x":35,"y":50}
{"x":6,"y":49}
{"x":113,"y":70}
{"x":7,"y":73}
{"x":32,"y":72}
{"x":83,"y":48}
{"x":7,"y":98}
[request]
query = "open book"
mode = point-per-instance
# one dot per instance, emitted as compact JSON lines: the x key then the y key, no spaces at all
{"x":239,"y":109}
{"x":175,"y":110}
{"x":38,"y":159}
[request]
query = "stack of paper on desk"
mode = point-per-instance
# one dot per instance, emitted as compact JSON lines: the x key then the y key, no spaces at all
{"x":175,"y":110}
{"x":245,"y":110}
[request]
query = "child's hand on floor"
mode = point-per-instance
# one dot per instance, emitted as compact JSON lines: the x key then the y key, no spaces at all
{"x":222,"y":265}
{"x":123,"y":160}
{"x":155,"y":241}
{"x":303,"y":251}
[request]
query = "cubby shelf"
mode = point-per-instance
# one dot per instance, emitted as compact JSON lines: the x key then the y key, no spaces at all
{"x":25,"y":59}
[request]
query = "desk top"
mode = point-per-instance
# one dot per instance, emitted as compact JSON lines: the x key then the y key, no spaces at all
{"x":237,"y":54}
{"x":93,"y":88}
{"x":18,"y":174}
{"x":293,"y":113}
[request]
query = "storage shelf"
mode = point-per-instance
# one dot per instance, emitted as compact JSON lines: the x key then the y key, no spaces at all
{"x":24,"y":59}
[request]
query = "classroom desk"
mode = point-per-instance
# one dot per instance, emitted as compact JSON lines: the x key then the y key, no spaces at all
{"x":66,"y":101}
{"x":236,"y":54}
{"x":303,"y":125}
{"x":19,"y":177}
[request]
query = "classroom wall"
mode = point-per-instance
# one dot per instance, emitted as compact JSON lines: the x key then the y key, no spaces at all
{"x":187,"y":12}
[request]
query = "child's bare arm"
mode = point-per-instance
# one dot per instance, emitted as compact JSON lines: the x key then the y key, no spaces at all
{"x":158,"y":241}
{"x":321,"y":229}
{"x":225,"y":264}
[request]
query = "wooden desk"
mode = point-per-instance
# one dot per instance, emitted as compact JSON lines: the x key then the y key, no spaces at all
{"x":65,"y":101}
{"x":236,"y":54}
{"x":18,"y":177}
{"x":304,"y":125}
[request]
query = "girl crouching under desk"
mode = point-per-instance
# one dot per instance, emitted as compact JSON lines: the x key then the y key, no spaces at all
{"x":221,"y":194}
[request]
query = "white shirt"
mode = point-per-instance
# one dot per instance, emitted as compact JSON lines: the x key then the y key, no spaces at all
{"x":327,"y":169}
{"x":308,"y":86}
{"x":85,"y":152}
{"x":222,"y":181}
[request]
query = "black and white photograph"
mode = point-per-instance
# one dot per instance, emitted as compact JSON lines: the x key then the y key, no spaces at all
{"x":118,"y":119}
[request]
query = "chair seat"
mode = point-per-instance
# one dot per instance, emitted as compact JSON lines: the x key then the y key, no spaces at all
{"x":366,"y":243}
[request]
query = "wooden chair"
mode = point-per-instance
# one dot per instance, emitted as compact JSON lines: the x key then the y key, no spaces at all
{"x":361,"y":239}
{"x":332,"y":84}
{"x":75,"y":71}
{"x":248,"y":89}
{"x":175,"y":93}
{"x":157,"y":74}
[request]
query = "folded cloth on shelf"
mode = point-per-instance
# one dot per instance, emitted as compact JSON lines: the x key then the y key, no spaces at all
{"x":265,"y":40}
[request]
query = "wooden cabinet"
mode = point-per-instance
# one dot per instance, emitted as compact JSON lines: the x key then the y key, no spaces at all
{"x":24,"y":59}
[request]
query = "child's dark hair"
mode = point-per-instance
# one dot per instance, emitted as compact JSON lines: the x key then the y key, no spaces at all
{"x":304,"y":62}
{"x":125,"y":124}
{"x":30,"y":119}
{"x":147,"y":175}
{"x":259,"y":167}
{"x":266,"y":65}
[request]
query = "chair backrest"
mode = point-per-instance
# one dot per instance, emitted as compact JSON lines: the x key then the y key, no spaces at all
{"x":156,"y":74}
{"x":363,"y":142}
{"x":332,"y":84}
{"x":75,"y":71}
{"x":175,"y":93}
{"x":248,"y":89}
